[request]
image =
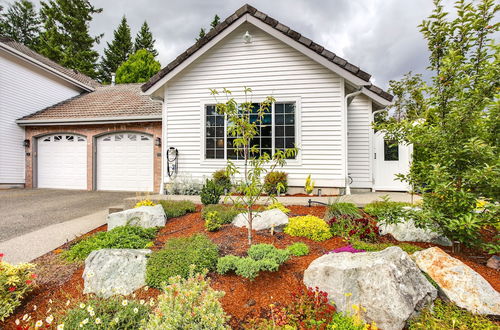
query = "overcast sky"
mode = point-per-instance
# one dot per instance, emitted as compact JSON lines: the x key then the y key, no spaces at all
{"x":380,"y":36}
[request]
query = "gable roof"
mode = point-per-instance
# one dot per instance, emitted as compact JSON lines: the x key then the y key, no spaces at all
{"x":285,"y":30}
{"x":27,"y":53}
{"x":118,"y":103}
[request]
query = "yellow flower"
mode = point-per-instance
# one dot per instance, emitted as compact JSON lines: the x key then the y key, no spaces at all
{"x":348,"y":294}
{"x":355,"y":307}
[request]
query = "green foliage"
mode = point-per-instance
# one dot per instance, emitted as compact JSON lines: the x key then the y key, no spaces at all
{"x":139,"y":68}
{"x":144,"y":40}
{"x":21,"y":23}
{"x":298,"y":249}
{"x":373,"y":247}
{"x":309,"y":185}
{"x":189,"y":304}
{"x":268,"y":251}
{"x":16,"y":281}
{"x":123,"y":237}
{"x":448,"y":316}
{"x":211,"y":192}
{"x":178,"y":255}
{"x":338,"y":209}
{"x":226,"y":213}
{"x":112,"y":313}
{"x":346,"y":322}
{"x":213,"y":221}
{"x":276,"y":183}
{"x":221,"y":178}
{"x":174,"y":209}
{"x":354,"y":228}
{"x":308,"y":226}
{"x":387,"y":211}
{"x":116,"y":52}
{"x":279,"y":206}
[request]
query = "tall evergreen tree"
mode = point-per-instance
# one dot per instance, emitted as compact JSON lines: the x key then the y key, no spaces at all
{"x":116,"y":52}
{"x":66,"y":38}
{"x":144,"y":40}
{"x":21,"y":23}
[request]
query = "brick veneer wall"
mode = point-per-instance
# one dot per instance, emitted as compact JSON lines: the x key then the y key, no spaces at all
{"x":34,"y":132}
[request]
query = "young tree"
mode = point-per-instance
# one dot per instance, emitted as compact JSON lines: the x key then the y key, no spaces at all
{"x":454,"y":129}
{"x":116,"y":52}
{"x":215,"y":21}
{"x":21,"y":23}
{"x":66,"y":38}
{"x":251,"y":187}
{"x":140,"y":67}
{"x":201,"y":34}
{"x":145,"y":40}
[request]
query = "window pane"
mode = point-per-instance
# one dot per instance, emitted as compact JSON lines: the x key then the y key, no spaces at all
{"x":210,"y":110}
{"x":219,"y":143}
{"x":267,"y":119}
{"x":290,"y":131}
{"x":290,"y":108}
{"x":279,"y":119}
{"x":266,"y":130}
{"x":219,"y":131}
{"x":267,"y":151}
{"x":279,"y":130}
{"x":210,"y":121}
{"x":289,"y":143}
{"x":266,"y":143}
{"x":210,"y":154}
{"x":279,"y":108}
{"x":391,"y":150}
{"x":279,"y":143}
{"x":219,"y":120}
{"x":219,"y":154}
{"x":289,"y":119}
{"x":231,"y":154}
{"x":210,"y":143}
{"x":210,"y":132}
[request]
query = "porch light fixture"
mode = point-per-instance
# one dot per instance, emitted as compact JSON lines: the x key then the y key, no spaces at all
{"x":158,"y":142}
{"x":26,"y":143}
{"x":247,"y":37}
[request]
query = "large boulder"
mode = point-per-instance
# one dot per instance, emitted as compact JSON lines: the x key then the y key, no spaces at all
{"x":144,"y":216}
{"x":407,"y":231}
{"x":387,"y":283}
{"x":262,"y":220}
{"x":115,"y":271}
{"x":458,"y":282}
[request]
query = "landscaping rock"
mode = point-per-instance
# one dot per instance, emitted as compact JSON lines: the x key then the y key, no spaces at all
{"x":262,"y":220}
{"x":407,"y":231}
{"x":458,"y":282}
{"x":494,"y":262}
{"x":387,"y":283}
{"x":144,"y":216}
{"x":115,"y":271}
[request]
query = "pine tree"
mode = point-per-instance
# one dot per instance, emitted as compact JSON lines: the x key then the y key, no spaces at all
{"x":215,"y":21}
{"x":21,"y":23}
{"x":201,"y":34}
{"x":144,"y":40}
{"x":116,"y":52}
{"x":66,"y":38}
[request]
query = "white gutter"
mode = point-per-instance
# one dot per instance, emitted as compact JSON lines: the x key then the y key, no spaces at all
{"x":346,"y":159}
{"x":163,"y":142}
{"x":86,"y":121}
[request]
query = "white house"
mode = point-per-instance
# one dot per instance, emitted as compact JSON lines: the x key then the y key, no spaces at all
{"x":324,"y":105}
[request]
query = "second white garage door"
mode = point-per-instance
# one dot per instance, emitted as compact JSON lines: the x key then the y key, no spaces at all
{"x":125,"y":162}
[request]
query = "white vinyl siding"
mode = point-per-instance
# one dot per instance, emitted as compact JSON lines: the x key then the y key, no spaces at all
{"x":359,"y":131}
{"x":270,"y":68}
{"x":24,"y":89}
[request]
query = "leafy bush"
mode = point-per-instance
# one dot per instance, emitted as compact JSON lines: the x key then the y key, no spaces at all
{"x":276,"y":181}
{"x":211,"y":192}
{"x":213,"y":221}
{"x":226,"y":213}
{"x":16,"y":281}
{"x":279,"y":206}
{"x":308,"y":226}
{"x":387,"y":211}
{"x":444,"y":315}
{"x":268,"y":251}
{"x":188,"y":304}
{"x":373,"y":247}
{"x":144,"y":202}
{"x":112,"y":313}
{"x":354,"y":229}
{"x":298,"y":249}
{"x":183,"y":185}
{"x":123,"y":237}
{"x":175,"y":209}
{"x":338,"y":209}
{"x":221,"y":178}
{"x":177,"y":256}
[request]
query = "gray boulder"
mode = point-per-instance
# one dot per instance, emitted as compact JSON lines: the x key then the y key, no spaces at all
{"x":458,"y":282}
{"x":494,"y":262}
{"x":115,"y":271}
{"x":387,"y":284}
{"x":262,"y":220}
{"x":144,"y":216}
{"x":407,"y":231}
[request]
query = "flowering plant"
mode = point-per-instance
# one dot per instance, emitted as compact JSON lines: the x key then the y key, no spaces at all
{"x":145,"y":202}
{"x":308,"y":226}
{"x":347,"y":248}
{"x":351,"y":228}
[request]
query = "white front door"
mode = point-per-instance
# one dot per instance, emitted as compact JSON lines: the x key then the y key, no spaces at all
{"x":62,"y":161}
{"x":125,"y":162}
{"x":390,"y":159}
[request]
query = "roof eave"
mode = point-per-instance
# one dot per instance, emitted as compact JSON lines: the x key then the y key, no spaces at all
{"x":87,"y":121}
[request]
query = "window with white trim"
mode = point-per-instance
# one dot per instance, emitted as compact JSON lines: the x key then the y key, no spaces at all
{"x":276,"y":131}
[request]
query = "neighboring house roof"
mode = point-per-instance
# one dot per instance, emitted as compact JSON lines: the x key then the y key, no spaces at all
{"x":118,"y":103}
{"x":28,"y":54}
{"x":247,"y":9}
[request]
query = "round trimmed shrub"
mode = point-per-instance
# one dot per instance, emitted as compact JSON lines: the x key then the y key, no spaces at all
{"x":272,"y":180}
{"x":298,"y":249}
{"x":221,"y":178}
{"x":308,"y":226}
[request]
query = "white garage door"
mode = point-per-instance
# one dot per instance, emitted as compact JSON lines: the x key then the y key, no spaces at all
{"x":125,"y":162}
{"x":62,"y":161}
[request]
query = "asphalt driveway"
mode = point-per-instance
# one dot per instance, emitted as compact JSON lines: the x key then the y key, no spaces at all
{"x":25,"y":210}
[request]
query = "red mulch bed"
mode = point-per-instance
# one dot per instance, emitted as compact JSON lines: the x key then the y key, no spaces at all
{"x":244,"y":299}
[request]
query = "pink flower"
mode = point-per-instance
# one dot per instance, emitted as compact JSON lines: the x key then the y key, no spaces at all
{"x":12,"y":289}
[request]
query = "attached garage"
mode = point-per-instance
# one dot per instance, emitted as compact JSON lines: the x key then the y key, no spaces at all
{"x":62,"y":161}
{"x":125,"y":162}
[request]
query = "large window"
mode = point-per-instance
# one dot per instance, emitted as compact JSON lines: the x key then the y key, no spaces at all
{"x":276,"y":131}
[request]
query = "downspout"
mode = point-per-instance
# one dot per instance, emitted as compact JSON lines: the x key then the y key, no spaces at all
{"x":346,"y":160}
{"x":162,"y":184}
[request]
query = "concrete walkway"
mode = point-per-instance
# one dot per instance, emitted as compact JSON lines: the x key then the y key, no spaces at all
{"x":29,"y":246}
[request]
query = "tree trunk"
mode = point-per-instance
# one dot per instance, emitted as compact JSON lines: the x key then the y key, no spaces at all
{"x":250,"y":219}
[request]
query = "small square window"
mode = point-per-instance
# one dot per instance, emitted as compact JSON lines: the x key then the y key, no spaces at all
{"x":145,"y":138}
{"x":391,"y":150}
{"x":118,"y":137}
{"x":81,"y":139}
{"x":70,"y":138}
{"x":132,"y":137}
{"x":57,"y":138}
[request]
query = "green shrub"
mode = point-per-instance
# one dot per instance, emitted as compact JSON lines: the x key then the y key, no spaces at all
{"x":279,"y":206}
{"x":123,"y":237}
{"x":227,"y":264}
{"x":188,"y":304}
{"x":298,"y":249}
{"x":210,"y":193}
{"x":373,"y":247}
{"x":175,"y":209}
{"x":275,"y":181}
{"x":308,"y":226}
{"x":268,"y":251}
{"x":213,"y":221}
{"x":16,"y":281}
{"x":338,"y":209}
{"x":387,"y":211}
{"x":226,"y":213}
{"x":177,"y":256}
{"x":248,"y":268}
{"x":112,"y":313}
{"x":346,"y":322}
{"x":221,"y":178}
{"x":354,"y":228}
{"x":448,"y":316}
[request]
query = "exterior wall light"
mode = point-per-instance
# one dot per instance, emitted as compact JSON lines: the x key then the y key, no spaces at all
{"x":247,"y":37}
{"x":26,"y":143}
{"x":158,"y":142}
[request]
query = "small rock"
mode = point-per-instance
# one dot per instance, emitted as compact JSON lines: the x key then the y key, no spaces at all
{"x":251,"y":302}
{"x":144,"y":216}
{"x":459,"y":283}
{"x":407,"y":231}
{"x":494,"y":262}
{"x":262,"y":220}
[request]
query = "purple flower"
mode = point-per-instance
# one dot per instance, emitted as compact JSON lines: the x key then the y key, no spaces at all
{"x":347,"y":248}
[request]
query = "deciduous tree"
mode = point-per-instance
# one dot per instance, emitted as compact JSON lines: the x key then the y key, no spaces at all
{"x":140,"y":67}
